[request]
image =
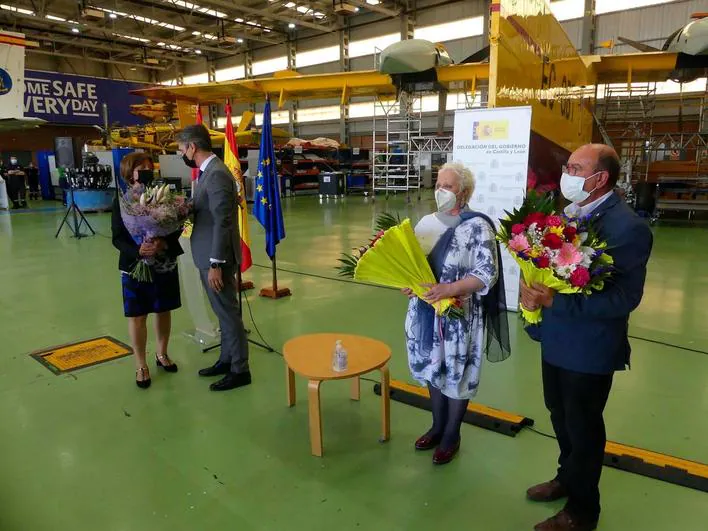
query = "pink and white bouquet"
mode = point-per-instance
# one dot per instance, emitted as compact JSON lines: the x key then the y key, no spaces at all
{"x":554,"y":250}
{"x":150,"y":213}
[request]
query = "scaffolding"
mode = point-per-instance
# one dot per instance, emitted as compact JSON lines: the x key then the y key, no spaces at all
{"x":627,"y":123}
{"x":668,"y":166}
{"x":396,"y":123}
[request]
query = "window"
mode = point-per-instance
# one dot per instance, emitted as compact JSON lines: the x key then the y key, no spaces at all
{"x":568,"y":9}
{"x":276,"y":117}
{"x":449,"y":31}
{"x":317,"y":57}
{"x":231,"y":72}
{"x":318,"y":114}
{"x":196,"y":79}
{"x":270,"y":65}
{"x":611,"y":6}
{"x":369,"y":46}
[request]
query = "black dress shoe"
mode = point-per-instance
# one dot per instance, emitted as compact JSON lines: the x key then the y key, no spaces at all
{"x":216,"y":370}
{"x":232,"y":381}
{"x":166,"y":363}
{"x":145,"y":382}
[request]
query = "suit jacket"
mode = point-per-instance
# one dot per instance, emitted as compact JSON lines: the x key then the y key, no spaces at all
{"x":588,"y":334}
{"x":129,"y":250}
{"x":215,"y":231}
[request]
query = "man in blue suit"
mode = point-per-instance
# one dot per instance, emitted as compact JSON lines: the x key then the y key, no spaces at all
{"x":584,"y":338}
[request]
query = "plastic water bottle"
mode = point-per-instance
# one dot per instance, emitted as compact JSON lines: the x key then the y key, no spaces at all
{"x":339,"y":358}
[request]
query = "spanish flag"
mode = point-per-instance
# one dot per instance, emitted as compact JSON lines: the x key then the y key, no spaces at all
{"x":232,"y":162}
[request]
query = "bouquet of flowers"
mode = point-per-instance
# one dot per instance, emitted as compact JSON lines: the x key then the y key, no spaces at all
{"x":557,"y":251}
{"x":394,"y":258}
{"x":151,"y":213}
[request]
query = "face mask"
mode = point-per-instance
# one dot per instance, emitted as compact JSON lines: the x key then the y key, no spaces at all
{"x":445,"y":199}
{"x":572,"y":187}
{"x":145,"y":177}
{"x":189,"y":162}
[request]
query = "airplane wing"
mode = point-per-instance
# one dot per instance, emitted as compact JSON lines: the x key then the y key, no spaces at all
{"x":341,"y":85}
{"x":633,"y":67}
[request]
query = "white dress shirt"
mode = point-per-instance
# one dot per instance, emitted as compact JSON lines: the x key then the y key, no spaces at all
{"x":575,"y":210}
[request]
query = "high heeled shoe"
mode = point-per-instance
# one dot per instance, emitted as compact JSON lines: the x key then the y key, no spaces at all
{"x":162,"y":361}
{"x":145,"y":382}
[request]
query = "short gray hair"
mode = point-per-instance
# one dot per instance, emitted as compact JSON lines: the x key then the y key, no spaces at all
{"x":465,"y":175}
{"x":197,"y":135}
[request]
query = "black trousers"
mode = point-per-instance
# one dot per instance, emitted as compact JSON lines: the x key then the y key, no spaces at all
{"x":576,"y":402}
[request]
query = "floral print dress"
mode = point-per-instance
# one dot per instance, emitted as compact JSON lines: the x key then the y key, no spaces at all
{"x":447,"y":353}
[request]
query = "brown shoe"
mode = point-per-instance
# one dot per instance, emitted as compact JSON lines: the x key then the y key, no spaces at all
{"x":547,"y":492}
{"x":563,"y":521}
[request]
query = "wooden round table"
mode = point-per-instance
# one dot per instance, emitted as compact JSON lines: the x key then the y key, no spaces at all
{"x":311,"y":357}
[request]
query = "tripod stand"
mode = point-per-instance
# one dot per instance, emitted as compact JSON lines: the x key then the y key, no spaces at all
{"x":76,"y":212}
{"x":240,"y":313}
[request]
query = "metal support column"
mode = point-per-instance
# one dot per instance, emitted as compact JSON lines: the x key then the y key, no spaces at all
{"x":213,"y":109}
{"x":344,"y":66}
{"x":292,"y":105}
{"x":589,"y":26}
{"x":248,"y":71}
{"x":484,"y":89}
{"x":407,"y":20}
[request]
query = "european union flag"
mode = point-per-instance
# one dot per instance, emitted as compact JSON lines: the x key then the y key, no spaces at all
{"x":266,"y":207}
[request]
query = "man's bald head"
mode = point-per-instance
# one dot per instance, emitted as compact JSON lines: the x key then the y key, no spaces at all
{"x":599,"y":158}
{"x":599,"y":165}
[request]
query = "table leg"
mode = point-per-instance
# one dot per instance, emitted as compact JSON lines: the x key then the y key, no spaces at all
{"x":290,"y":385}
{"x":315,"y":417}
{"x":356,"y":388}
{"x":385,"y":404}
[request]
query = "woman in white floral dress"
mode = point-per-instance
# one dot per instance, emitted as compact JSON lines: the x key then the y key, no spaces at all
{"x":446,"y":353}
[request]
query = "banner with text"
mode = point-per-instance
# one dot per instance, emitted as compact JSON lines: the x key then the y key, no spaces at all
{"x":494,"y":144}
{"x":12,"y":70}
{"x":78,"y":100}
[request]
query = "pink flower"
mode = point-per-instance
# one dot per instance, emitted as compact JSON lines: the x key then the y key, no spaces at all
{"x":580,"y":277}
{"x":568,"y":256}
{"x":518,"y":229}
{"x":519,"y":243}
{"x":554,"y":221}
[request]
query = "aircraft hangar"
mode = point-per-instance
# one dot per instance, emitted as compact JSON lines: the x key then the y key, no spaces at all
{"x":469,"y":233}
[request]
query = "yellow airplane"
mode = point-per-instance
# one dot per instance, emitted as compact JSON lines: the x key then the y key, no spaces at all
{"x":531,"y":61}
{"x":155,"y":112}
{"x":159,"y":137}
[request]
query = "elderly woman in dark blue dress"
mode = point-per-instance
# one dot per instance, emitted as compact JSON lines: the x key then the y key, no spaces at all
{"x":160,"y":296}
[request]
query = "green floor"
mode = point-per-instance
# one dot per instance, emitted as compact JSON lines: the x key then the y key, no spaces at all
{"x":90,"y":451}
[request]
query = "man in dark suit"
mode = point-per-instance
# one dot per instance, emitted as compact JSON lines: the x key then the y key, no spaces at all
{"x":584,"y":338}
{"x":216,"y":250}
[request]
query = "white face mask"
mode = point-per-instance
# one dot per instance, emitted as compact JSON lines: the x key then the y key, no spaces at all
{"x":572,"y":187}
{"x":445,"y":199}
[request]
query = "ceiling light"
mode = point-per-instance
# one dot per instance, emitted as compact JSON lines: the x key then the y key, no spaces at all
{"x":291,"y":26}
{"x":240,"y":41}
{"x":74,"y":30}
{"x":112,"y":15}
{"x":198,"y":52}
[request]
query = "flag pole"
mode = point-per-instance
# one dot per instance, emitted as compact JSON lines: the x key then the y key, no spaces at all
{"x":272,"y":292}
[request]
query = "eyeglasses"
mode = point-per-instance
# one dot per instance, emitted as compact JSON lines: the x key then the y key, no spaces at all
{"x":571,"y":169}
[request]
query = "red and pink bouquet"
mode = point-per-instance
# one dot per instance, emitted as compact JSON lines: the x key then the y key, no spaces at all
{"x":554,"y":250}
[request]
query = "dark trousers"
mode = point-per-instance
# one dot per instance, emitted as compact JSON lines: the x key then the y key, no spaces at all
{"x":234,"y":343}
{"x":576,"y":402}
